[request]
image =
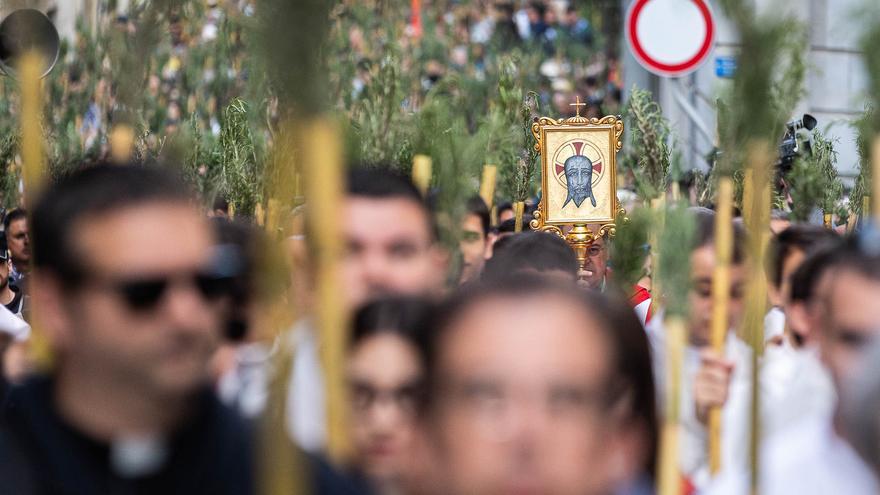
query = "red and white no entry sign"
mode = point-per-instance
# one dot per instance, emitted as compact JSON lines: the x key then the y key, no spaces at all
{"x":670,"y":37}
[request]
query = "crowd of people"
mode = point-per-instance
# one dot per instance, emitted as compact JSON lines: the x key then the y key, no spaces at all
{"x":524,"y":373}
{"x":147,"y":343}
{"x":556,"y":46}
{"x":198,"y":64}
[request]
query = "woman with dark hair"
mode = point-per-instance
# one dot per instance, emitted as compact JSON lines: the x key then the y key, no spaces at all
{"x":385,"y":369}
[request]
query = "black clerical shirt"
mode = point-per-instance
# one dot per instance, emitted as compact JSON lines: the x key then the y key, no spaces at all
{"x":41,"y":454}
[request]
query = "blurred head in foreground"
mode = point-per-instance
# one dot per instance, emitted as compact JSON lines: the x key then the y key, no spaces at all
{"x":526,"y":392}
{"x":532,"y":253}
{"x":127,"y":286}
{"x":385,"y":369}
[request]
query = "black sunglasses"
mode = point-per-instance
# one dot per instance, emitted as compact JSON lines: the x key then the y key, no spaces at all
{"x":144,"y":294}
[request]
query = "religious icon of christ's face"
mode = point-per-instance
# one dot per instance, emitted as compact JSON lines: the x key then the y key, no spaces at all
{"x":579,"y":180}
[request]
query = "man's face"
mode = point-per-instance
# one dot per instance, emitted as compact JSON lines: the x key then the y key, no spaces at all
{"x":805,"y":320}
{"x":18,"y":239}
{"x":578,"y":178}
{"x":700,"y":296}
{"x":384,"y":372}
{"x":533,"y":15}
{"x":390,"y":250}
{"x":473,"y":247}
{"x":520,"y":401}
{"x":789,"y":265}
{"x":505,"y":215}
{"x":162,"y":349}
{"x":597,"y":264}
{"x":851,"y":320}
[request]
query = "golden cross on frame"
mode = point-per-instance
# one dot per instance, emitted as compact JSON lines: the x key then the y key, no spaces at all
{"x":577,"y":105}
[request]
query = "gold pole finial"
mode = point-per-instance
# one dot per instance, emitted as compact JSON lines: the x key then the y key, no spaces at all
{"x":577,"y":105}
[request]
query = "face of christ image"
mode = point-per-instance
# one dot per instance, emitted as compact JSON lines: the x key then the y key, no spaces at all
{"x":579,"y":180}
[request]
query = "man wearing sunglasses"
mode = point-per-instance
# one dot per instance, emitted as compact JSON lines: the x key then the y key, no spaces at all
{"x":130,"y":304}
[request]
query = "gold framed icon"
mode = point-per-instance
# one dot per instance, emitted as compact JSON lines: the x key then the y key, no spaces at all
{"x":578,"y":172}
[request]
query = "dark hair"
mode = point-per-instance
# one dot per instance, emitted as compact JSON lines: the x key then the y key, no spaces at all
{"x":817,"y":263}
{"x":376,"y":183}
{"x":381,"y":184}
{"x":221,"y":203}
{"x":509,"y":225}
{"x":476,"y":206}
{"x":521,"y":287}
{"x":705,"y":233}
{"x":797,"y":237}
{"x":507,"y":205}
{"x":93,"y":191}
{"x":16,"y":214}
{"x":239,"y":247}
{"x":399,"y":315}
{"x":538,"y":251}
{"x":861,"y":254}
{"x":539,"y":7}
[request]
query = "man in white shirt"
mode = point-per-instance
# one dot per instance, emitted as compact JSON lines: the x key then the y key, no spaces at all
{"x":811,"y":456}
{"x":392,"y":248}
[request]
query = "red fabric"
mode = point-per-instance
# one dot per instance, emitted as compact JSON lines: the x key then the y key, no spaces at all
{"x":687,"y":488}
{"x":639,"y":296}
{"x":416,"y":21}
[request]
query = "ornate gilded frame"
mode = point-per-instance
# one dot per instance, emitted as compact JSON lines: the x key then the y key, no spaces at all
{"x":580,"y":236}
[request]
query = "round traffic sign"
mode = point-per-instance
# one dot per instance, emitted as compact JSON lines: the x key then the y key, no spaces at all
{"x":670,"y":37}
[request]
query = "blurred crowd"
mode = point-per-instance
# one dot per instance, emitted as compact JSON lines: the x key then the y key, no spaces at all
{"x":156,"y":339}
{"x":559,"y":49}
{"x":521,"y":372}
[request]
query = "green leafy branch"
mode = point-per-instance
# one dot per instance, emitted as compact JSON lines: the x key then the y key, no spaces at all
{"x":650,"y":149}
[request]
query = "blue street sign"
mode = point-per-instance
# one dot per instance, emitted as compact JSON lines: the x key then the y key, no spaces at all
{"x":725,"y":67}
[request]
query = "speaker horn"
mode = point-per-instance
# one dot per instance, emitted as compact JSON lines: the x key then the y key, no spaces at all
{"x":28,"y":30}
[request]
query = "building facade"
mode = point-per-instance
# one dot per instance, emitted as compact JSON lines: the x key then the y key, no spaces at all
{"x":835,"y":83}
